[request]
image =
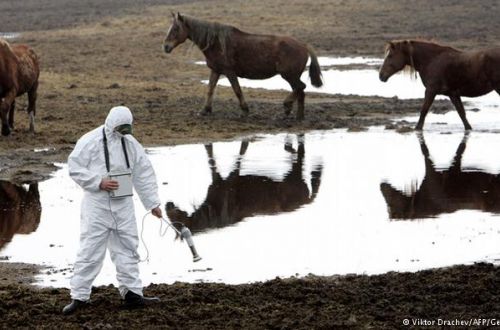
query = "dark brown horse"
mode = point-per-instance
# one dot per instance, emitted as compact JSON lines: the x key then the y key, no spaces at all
{"x":234,"y":53}
{"x":238,"y":196}
{"x":445,"y":191}
{"x":19,"y":72}
{"x":20,"y":210}
{"x":444,"y":70}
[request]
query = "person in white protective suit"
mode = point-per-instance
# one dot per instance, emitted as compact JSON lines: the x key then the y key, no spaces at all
{"x":105,"y":221}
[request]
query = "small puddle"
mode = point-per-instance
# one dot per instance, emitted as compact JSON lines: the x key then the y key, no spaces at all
{"x":325,"y":203}
{"x":10,"y":35}
{"x":338,"y":79}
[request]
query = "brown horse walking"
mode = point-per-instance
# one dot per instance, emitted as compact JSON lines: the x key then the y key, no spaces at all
{"x":234,"y":53}
{"x":19,"y":72}
{"x":444,"y":70}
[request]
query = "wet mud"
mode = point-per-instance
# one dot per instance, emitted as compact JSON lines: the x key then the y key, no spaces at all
{"x":95,"y":59}
{"x":378,"y":302}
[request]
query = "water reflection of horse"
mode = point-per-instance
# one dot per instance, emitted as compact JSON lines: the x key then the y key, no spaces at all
{"x":444,"y":70}
{"x":236,"y":197}
{"x":445,"y":191}
{"x":234,"y":53}
{"x":20,"y":210}
{"x":19,"y":72}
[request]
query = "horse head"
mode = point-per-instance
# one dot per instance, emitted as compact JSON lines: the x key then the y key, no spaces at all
{"x":177,"y":33}
{"x":396,"y":58}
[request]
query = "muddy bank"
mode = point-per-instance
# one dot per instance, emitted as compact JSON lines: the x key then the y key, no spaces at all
{"x":17,"y":273}
{"x":380,"y":302}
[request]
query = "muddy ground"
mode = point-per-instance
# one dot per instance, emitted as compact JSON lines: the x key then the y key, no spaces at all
{"x":374,"y":302}
{"x":100,"y":53}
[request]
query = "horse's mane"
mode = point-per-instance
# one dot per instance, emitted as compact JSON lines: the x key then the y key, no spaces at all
{"x":4,"y":43}
{"x":205,"y":34}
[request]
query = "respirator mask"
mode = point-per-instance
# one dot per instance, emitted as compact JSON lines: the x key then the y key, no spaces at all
{"x":124,"y":129}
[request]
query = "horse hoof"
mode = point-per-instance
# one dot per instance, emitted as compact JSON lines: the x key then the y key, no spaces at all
{"x":288,"y":108}
{"x":6,"y":130}
{"x":205,"y":112}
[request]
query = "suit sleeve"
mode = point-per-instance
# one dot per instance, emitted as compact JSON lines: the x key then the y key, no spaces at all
{"x":78,"y":167}
{"x":144,"y":178}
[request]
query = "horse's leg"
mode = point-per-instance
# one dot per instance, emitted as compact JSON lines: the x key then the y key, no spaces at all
{"x":32,"y":95}
{"x":298,"y":94}
{"x":243,"y":147}
{"x":457,"y":102}
{"x":212,"y":83}
{"x":5,"y":105}
{"x":429,"y":98}
{"x":300,"y":98}
{"x":4,"y":118}
{"x":298,"y":88}
{"x":11,"y":114}
{"x":233,"y":79}
{"x":288,"y":103}
{"x":243,"y":150}
{"x":456,"y":166}
{"x":211,"y":162}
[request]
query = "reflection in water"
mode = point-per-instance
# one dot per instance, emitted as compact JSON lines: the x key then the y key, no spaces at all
{"x":20,"y":210}
{"x":236,"y":197}
{"x":445,"y":191}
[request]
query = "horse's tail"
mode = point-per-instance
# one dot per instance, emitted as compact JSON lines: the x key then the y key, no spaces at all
{"x":314,"y":69}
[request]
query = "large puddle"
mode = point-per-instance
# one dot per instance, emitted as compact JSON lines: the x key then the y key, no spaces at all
{"x":331,"y":202}
{"x":285,"y":205}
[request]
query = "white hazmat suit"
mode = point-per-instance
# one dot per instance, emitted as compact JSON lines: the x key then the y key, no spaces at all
{"x":107,"y":222}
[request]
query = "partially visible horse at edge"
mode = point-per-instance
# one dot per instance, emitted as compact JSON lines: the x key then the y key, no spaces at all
{"x":19,"y":73}
{"x":234,"y":53}
{"x":444,"y":70}
{"x":20,"y":210}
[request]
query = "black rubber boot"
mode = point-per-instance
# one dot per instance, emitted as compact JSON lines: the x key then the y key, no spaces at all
{"x":74,"y":305}
{"x":133,"y":300}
